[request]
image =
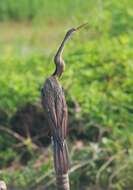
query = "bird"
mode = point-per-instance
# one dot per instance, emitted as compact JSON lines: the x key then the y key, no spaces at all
{"x":55,"y":108}
{"x":3,"y":185}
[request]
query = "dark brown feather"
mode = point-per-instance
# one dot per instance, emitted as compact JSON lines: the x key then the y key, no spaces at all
{"x":55,"y":108}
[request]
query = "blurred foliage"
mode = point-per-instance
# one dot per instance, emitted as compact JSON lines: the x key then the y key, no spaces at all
{"x":98,"y":82}
{"x":32,"y":9}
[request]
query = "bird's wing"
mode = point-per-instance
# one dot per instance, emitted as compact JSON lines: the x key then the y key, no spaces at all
{"x":50,"y":112}
{"x":61,"y":113}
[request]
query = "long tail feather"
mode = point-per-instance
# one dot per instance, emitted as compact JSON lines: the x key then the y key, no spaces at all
{"x":61,"y":158}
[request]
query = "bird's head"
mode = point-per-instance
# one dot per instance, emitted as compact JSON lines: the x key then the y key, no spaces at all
{"x":72,"y":30}
{"x":58,"y":56}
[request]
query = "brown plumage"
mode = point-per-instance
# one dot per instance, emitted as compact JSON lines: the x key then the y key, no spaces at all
{"x":55,"y":108}
{"x":56,"y":113}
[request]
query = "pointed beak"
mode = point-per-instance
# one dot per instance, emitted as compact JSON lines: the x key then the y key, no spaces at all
{"x":81,"y":26}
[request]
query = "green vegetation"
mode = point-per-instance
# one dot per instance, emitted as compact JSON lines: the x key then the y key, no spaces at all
{"x":99,"y":89}
{"x":27,"y":10}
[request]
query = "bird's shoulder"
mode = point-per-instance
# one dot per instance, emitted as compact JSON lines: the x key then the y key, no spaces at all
{"x":52,"y":83}
{"x":51,"y":86}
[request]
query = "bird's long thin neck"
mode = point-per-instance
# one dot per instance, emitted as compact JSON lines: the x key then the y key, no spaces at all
{"x":61,"y":48}
{"x":58,"y":58}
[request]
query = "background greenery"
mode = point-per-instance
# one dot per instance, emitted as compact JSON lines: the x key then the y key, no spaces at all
{"x":99,"y":89}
